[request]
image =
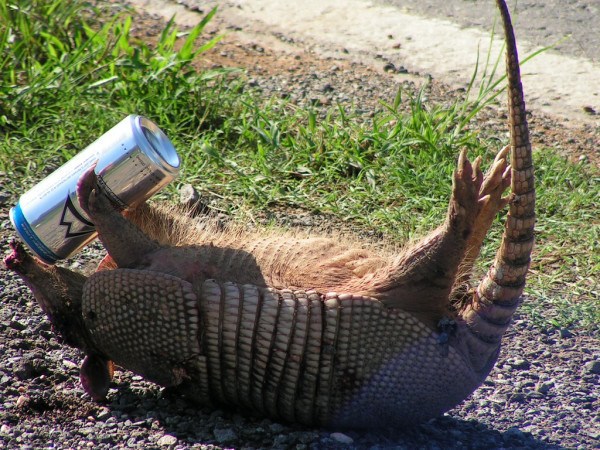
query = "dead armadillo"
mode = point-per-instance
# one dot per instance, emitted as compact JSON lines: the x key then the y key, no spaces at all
{"x":302,"y":329}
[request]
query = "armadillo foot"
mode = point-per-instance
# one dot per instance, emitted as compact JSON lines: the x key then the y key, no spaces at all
{"x":90,"y":195}
{"x":495,"y":182}
{"x":491,"y":200}
{"x":15,"y":258}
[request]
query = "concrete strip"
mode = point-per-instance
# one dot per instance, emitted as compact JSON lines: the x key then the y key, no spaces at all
{"x":361,"y":30}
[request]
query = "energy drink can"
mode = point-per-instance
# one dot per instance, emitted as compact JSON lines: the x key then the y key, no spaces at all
{"x":134,"y":160}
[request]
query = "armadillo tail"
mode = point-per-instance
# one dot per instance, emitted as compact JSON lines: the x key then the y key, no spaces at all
{"x":499,"y":293}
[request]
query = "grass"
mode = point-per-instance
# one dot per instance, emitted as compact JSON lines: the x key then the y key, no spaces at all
{"x":66,"y":77}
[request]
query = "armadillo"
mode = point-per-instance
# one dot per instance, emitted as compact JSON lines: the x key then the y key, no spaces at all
{"x":306,"y":329}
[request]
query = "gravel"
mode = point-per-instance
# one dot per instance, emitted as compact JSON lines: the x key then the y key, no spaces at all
{"x":543,"y":393}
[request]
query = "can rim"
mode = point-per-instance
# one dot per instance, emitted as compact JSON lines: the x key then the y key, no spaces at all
{"x":156,"y":144}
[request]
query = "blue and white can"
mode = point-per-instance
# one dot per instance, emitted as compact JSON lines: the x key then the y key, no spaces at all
{"x":134,"y":160}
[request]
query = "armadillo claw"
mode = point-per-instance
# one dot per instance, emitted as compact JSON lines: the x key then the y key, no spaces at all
{"x":477,"y":173}
{"x":495,"y":178}
{"x":491,"y":201}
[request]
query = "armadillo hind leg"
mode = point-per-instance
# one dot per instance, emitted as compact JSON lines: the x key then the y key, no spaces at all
{"x":147,"y":322}
{"x":125,"y":243}
{"x":421,"y":278}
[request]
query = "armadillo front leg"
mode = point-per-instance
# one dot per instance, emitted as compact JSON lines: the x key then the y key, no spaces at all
{"x":124,"y":242}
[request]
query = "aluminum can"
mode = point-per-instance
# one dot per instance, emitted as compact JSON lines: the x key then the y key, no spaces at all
{"x":134,"y":160}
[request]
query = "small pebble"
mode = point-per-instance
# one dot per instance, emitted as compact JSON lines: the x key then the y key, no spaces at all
{"x":17,"y":325}
{"x":103,"y":414}
{"x":69,"y":364}
{"x":87,"y":431}
{"x":565,"y":333}
{"x":341,"y":438}
{"x":327,"y":87}
{"x":188,"y":195}
{"x":22,"y":401}
{"x":544,"y":387}
{"x":520,"y":364}
{"x":166,"y":440}
{"x":592,"y":367}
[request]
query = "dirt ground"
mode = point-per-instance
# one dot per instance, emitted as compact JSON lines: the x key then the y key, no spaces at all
{"x":543,"y":393}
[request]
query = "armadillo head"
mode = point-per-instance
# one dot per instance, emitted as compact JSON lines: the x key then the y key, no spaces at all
{"x":57,"y":290}
{"x":59,"y":293}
